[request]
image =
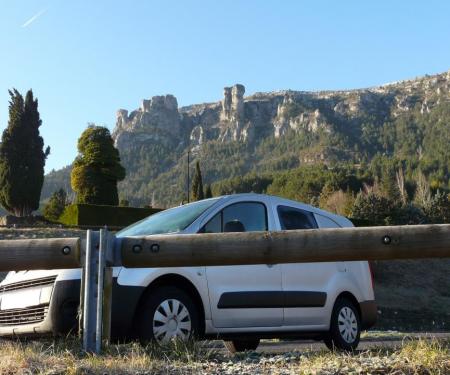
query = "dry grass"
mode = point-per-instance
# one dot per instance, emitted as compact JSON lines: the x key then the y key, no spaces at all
{"x":414,"y":357}
{"x":65,"y":357}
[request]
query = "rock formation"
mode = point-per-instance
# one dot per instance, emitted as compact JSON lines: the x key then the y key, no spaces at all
{"x":156,"y":119}
{"x":249,"y":119}
{"x":232,"y":117}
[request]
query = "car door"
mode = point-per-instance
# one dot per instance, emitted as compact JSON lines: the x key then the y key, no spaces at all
{"x":304,"y":284}
{"x":244,"y":296}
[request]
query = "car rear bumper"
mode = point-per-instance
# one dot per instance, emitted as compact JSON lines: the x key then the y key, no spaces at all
{"x":368,"y":314}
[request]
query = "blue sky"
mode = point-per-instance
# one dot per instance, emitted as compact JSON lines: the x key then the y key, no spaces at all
{"x":86,"y":59}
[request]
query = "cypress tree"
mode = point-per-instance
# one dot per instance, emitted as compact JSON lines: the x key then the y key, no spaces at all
{"x":22,"y":158}
{"x":124,"y":203}
{"x":97,"y":169}
{"x":208,"y":192}
{"x":197,"y":184}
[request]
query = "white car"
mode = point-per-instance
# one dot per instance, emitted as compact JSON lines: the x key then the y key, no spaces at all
{"x":240,"y":304}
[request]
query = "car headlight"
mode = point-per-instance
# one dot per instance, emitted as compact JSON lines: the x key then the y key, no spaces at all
{"x":46,"y":294}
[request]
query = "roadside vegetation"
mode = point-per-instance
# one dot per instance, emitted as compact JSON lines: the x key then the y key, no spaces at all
{"x":423,"y":356}
{"x":382,"y":192}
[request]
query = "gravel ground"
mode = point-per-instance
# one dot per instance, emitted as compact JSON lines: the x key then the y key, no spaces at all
{"x":370,"y":341}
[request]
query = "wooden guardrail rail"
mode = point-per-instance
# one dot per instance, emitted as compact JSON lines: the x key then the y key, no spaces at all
{"x":295,"y":246}
{"x":39,"y":254}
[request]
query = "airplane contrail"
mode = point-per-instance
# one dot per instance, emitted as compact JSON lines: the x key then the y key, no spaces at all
{"x":34,"y":18}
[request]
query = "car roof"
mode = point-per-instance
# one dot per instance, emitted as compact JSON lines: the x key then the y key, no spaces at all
{"x":341,"y":220}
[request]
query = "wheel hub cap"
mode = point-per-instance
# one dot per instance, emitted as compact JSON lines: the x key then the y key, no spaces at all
{"x":348,"y":325}
{"x":172,"y":325}
{"x":171,"y":320}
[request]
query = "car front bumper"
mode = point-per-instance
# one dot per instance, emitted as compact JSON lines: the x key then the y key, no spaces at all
{"x":59,"y":316}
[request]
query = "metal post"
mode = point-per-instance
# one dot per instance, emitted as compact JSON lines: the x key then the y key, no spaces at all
{"x":90,"y":292}
{"x":100,"y":283}
{"x":107,"y":286}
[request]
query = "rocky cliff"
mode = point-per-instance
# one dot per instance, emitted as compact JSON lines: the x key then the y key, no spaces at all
{"x":247,"y":119}
{"x":263,"y":131}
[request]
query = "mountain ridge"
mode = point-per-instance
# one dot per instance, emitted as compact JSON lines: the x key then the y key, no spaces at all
{"x":239,"y":134}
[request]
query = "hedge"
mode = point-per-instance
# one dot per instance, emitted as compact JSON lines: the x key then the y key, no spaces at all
{"x":97,"y":215}
{"x":362,"y":222}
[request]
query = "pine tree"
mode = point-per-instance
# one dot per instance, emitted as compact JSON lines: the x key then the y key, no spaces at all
{"x":22,"y":158}
{"x":372,"y":207}
{"x":56,"y":205}
{"x":197,"y":184}
{"x":97,"y":169}
{"x":389,"y":185}
{"x":438,"y":209}
{"x":208,"y":192}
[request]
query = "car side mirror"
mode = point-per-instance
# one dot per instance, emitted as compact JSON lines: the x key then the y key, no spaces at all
{"x":234,"y":226}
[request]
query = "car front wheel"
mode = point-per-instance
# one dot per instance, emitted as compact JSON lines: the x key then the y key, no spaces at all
{"x":345,"y":327}
{"x":167,"y":314}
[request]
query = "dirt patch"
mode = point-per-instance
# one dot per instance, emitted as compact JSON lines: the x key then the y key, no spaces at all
{"x":413,"y":295}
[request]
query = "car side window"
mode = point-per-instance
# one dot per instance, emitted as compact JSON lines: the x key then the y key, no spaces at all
{"x":295,"y":218}
{"x":245,"y":217}
{"x":214,"y":225}
{"x":238,"y":217}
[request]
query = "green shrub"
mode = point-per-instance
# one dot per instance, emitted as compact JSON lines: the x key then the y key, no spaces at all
{"x":69,"y":215}
{"x":97,"y":215}
{"x":55,"y":205}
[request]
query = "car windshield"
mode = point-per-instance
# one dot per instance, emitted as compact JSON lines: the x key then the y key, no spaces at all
{"x":169,"y":221}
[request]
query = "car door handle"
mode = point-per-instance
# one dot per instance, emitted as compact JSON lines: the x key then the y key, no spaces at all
{"x":270,"y":265}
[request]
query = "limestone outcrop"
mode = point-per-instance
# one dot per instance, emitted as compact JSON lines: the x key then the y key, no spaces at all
{"x":248,"y":119}
{"x":156,"y":119}
{"x":232,"y":117}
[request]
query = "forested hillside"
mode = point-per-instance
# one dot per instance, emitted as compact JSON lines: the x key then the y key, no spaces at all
{"x":390,"y":141}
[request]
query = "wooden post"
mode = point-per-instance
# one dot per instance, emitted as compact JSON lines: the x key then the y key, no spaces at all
{"x":107,"y":304}
{"x":39,"y":254}
{"x":296,"y":246}
{"x":81,"y":307}
{"x":100,"y":284}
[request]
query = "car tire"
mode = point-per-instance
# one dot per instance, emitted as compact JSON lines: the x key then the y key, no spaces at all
{"x":345,"y":326}
{"x":167,"y":313}
{"x":235,"y":346}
